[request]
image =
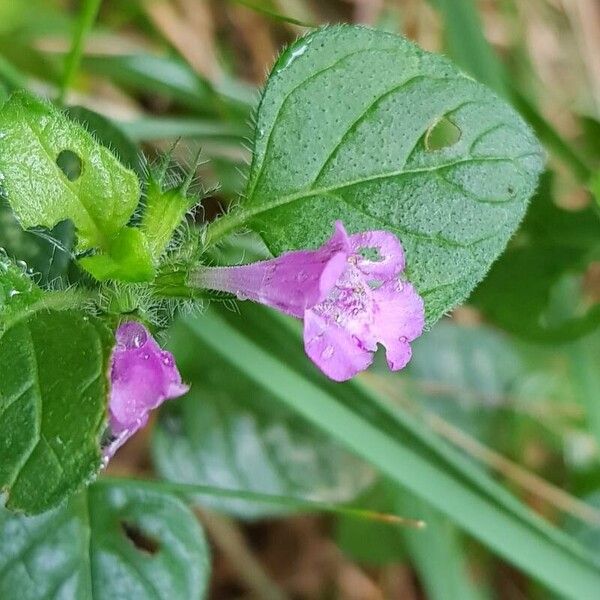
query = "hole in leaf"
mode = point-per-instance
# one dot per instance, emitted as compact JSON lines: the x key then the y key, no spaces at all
{"x":442,"y":134}
{"x":70,"y":164}
{"x":142,"y":541}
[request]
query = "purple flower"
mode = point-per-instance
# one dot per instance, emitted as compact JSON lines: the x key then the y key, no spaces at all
{"x":349,"y":302}
{"x":142,"y":377}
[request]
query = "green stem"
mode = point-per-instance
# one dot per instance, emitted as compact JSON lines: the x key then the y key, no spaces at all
{"x":222,"y":226}
{"x":87,"y":17}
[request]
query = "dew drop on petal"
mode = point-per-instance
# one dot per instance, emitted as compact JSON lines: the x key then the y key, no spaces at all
{"x":167,"y":359}
{"x":132,"y":335}
{"x":403,"y":339}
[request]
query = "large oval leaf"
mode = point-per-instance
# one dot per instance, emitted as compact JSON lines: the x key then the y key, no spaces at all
{"x":364,"y":126}
{"x":110,"y":542}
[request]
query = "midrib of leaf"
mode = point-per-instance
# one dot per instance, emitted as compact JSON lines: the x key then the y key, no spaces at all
{"x":440,"y":240}
{"x":238,"y":218}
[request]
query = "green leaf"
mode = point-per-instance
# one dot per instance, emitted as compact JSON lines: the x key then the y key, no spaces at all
{"x":108,"y":542}
{"x":463,"y":374}
{"x":99,"y":202}
{"x":542,"y":273}
{"x":53,"y":169}
{"x":130,"y":258}
{"x":164,"y":212}
{"x":342,"y":133}
{"x":47,"y":254}
{"x":111,"y":135}
{"x":406,"y":452}
{"x":229,"y":432}
{"x":53,"y":391}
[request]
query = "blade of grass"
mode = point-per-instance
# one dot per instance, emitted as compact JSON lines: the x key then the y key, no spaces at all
{"x":466,"y":43}
{"x":147,"y":73}
{"x":530,"y":482}
{"x":271,"y":13}
{"x":87,"y":17}
{"x":300,"y":504}
{"x":162,"y":128}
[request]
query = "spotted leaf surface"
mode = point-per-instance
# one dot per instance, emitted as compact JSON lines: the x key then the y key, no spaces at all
{"x":365,"y":127}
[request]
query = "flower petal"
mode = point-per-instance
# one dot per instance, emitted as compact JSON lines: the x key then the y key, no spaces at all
{"x":291,"y":282}
{"x":399,"y":319}
{"x":389,"y":249}
{"x":143,"y":376}
{"x":337,"y":352}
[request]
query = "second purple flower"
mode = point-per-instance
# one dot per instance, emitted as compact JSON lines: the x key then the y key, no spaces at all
{"x":348,"y":292}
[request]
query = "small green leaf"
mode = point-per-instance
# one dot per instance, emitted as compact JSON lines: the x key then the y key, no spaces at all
{"x":110,"y":542}
{"x":52,"y":396}
{"x":52,"y":170}
{"x":164,"y":212}
{"x":230,"y":433}
{"x":341,"y":134}
{"x":99,"y":202}
{"x":130,"y":259}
